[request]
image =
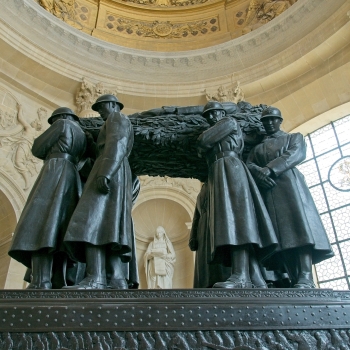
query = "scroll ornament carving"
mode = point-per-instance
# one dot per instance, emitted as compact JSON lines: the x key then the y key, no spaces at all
{"x":162,"y":30}
{"x":167,"y":3}
{"x":190,"y":186}
{"x":260,"y":12}
{"x":87,"y":95}
{"x":223,"y":94}
{"x":16,"y":158}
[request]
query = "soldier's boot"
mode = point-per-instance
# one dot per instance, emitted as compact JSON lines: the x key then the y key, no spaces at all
{"x":95,"y":269}
{"x":41,"y":270}
{"x":240,"y":277}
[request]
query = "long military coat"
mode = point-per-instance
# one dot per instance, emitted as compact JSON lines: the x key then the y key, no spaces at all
{"x":290,"y":205}
{"x":105,"y":219}
{"x":205,"y":274}
{"x":236,"y":213}
{"x":55,"y":193}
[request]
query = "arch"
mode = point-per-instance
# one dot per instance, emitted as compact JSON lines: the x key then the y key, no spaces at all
{"x":177,"y":195}
{"x":173,"y":209}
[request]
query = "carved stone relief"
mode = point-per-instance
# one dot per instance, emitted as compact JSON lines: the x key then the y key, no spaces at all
{"x":260,"y":12}
{"x":223,"y":94}
{"x":87,"y":95}
{"x":66,"y":11}
{"x":190,"y":186}
{"x":167,"y":3}
{"x":16,"y":140}
{"x":161,"y":30}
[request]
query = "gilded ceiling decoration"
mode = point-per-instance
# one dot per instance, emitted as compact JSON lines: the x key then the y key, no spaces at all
{"x":167,"y":3}
{"x":160,"y":30}
{"x":115,"y":21}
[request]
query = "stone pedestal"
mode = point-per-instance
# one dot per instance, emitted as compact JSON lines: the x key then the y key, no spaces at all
{"x":175,"y":319}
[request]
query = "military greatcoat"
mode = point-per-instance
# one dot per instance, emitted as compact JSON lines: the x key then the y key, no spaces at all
{"x":205,"y":274}
{"x":290,"y":205}
{"x":55,"y":193}
{"x":105,"y":219}
{"x":236,"y":212}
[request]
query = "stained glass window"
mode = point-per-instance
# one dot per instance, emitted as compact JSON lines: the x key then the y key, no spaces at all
{"x":327,"y":173}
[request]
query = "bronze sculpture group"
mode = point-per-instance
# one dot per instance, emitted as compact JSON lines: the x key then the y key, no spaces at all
{"x":251,"y":217}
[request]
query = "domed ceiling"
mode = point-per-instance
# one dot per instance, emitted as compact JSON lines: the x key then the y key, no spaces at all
{"x":298,"y":61}
{"x":166,"y":25}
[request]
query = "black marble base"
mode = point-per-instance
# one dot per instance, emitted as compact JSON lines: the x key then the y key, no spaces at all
{"x":163,"y":319}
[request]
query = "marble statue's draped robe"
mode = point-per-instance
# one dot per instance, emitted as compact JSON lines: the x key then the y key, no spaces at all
{"x":160,"y":270}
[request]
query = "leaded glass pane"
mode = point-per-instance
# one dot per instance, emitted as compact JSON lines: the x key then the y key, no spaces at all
{"x":309,"y":170}
{"x":342,"y":127}
{"x":319,"y":199}
{"x":309,"y":153}
{"x":345,"y":251}
{"x":330,"y":268}
{"x":346,"y":148}
{"x":327,"y":223}
{"x":340,"y":284}
{"x":325,"y":162}
{"x":341,"y":219}
{"x":323,"y":140}
{"x":336,"y":198}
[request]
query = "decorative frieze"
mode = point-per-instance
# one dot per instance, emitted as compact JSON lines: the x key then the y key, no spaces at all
{"x":167,"y":3}
{"x":190,"y":186}
{"x":161,"y":30}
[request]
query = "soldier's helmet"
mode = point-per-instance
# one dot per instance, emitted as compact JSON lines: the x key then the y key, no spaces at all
{"x":271,"y":112}
{"x":213,"y":105}
{"x":106,"y":98}
{"x":62,"y":110}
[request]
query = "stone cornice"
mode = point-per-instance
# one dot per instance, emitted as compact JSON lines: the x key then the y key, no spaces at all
{"x":52,"y":43}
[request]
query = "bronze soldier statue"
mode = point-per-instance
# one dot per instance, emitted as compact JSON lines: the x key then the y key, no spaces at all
{"x":38,"y":237}
{"x":241,"y":233}
{"x":298,"y":226}
{"x":100,"y":230}
{"x":205,"y":274}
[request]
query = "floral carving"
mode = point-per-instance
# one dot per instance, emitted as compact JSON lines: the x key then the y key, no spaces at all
{"x":167,"y":3}
{"x":161,"y":30}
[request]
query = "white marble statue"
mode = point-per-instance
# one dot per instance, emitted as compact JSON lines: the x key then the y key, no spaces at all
{"x":159,"y":261}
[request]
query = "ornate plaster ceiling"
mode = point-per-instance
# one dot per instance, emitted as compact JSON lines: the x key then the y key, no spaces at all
{"x":298,"y":61}
{"x":166,"y":25}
